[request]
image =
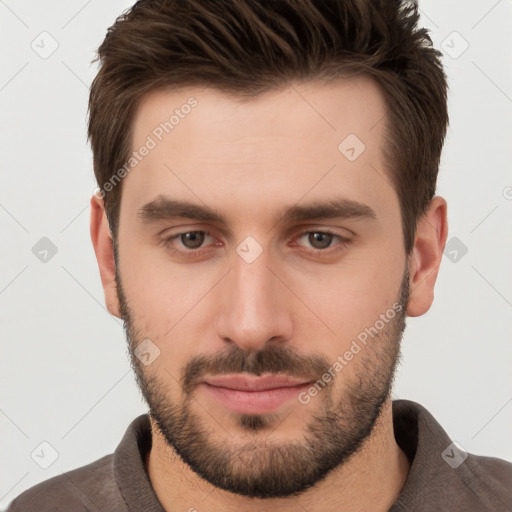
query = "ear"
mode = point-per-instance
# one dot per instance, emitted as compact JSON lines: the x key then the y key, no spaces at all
{"x":104,"y":249}
{"x":425,"y":258}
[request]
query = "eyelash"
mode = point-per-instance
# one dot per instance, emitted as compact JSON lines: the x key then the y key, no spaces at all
{"x":341,"y":245}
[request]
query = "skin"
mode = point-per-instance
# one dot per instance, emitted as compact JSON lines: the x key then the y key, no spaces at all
{"x":249,"y":161}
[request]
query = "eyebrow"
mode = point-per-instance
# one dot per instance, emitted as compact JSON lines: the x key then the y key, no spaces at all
{"x":165,"y":208}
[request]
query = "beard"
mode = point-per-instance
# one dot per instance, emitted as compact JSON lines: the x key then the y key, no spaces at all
{"x":260,"y":468}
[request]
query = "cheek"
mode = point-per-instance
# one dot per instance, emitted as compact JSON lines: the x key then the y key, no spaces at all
{"x":341,"y":301}
{"x":162,"y":296}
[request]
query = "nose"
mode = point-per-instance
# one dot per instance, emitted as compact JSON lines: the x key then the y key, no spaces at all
{"x":254,"y":308}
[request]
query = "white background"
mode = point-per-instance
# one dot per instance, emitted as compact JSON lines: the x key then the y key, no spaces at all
{"x":64,"y":370}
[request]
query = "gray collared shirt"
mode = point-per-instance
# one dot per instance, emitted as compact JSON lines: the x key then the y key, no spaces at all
{"x":441,"y":478}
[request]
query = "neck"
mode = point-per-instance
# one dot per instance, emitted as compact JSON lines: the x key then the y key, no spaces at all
{"x":370,"y":480}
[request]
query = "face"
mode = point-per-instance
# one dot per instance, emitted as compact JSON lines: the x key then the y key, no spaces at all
{"x":261,"y":238}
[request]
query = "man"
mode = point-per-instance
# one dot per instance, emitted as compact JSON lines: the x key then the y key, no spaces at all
{"x":266,"y":219}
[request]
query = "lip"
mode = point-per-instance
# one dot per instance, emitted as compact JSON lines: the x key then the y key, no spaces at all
{"x":253,"y":395}
{"x":253,"y":383}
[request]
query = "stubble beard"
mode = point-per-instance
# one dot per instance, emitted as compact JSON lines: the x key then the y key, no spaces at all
{"x":259,"y":467}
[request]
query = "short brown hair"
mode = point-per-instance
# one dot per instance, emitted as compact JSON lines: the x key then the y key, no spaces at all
{"x":246,"y":47}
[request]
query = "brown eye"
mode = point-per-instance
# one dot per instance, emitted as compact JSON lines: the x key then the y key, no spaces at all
{"x":320,"y":240}
{"x":192,"y":239}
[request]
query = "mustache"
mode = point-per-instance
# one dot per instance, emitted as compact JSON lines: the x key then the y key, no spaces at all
{"x":274,"y":359}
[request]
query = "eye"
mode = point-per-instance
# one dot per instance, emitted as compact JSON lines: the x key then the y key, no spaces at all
{"x":187,"y":242}
{"x":192,"y":239}
{"x":194,"y":243}
{"x":321,"y":240}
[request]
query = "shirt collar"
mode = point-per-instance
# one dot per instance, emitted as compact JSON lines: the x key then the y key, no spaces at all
{"x":416,"y":431}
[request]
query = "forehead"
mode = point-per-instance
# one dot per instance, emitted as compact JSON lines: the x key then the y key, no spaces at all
{"x":304,"y":139}
{"x":308,"y":109}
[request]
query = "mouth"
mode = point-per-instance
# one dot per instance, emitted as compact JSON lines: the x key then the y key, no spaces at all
{"x":253,"y":395}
